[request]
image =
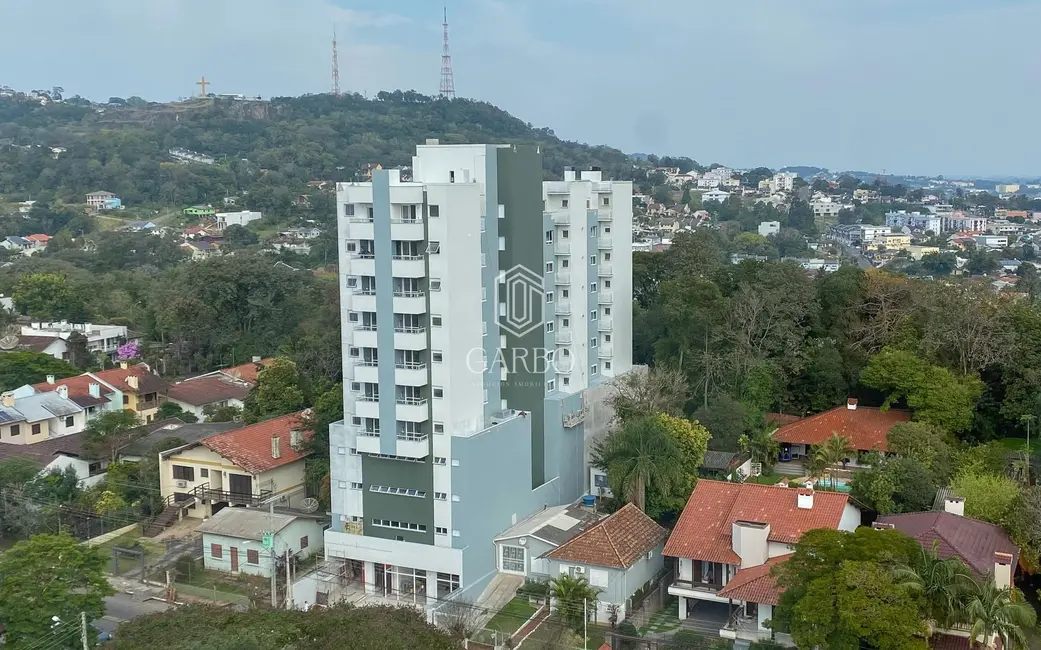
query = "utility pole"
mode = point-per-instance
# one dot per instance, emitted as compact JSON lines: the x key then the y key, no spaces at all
{"x":83,"y":630}
{"x":585,"y":624}
{"x":274,"y":579}
{"x":289,"y":584}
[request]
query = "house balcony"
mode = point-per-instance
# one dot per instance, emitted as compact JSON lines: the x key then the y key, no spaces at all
{"x":411,"y":446}
{"x":562,"y":277}
{"x":368,"y":443}
{"x":407,"y":266}
{"x":410,"y":374}
{"x":409,"y":409}
{"x":604,"y":324}
{"x":697,"y":589}
{"x":412,"y":230}
{"x":605,"y":242}
{"x":562,"y":248}
{"x":410,"y":338}
{"x":605,"y":270}
{"x":147,"y":404}
{"x":205,"y":493}
{"x":562,"y":308}
{"x":410,"y":304}
{"x":605,"y":298}
{"x":563,"y":338}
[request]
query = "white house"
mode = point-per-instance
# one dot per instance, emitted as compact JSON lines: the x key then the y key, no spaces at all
{"x":240,"y":218}
{"x":767,"y":228}
{"x":715,"y":195}
{"x":102,"y":339}
{"x":28,"y":417}
{"x":248,"y":540}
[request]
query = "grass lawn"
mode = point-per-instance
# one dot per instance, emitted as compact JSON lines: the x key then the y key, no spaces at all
{"x":510,"y":618}
{"x":1017,"y":444}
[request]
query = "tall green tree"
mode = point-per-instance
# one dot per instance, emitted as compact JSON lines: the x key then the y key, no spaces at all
{"x":21,"y":368}
{"x":639,"y":455}
{"x":1002,"y":612}
{"x":47,"y":576}
{"x":277,"y":392}
{"x":574,"y":598}
{"x":48,"y":296}
{"x":942,"y":584}
{"x":110,"y":432}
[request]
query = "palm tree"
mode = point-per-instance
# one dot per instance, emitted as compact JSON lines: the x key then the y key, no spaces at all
{"x":944,"y":584}
{"x":834,"y":450}
{"x":573,"y":598}
{"x":1001,"y":611}
{"x":761,"y":446}
{"x":639,"y":454}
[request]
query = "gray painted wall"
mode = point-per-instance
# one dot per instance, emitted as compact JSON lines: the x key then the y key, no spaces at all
{"x":384,"y":308}
{"x":621,"y":584}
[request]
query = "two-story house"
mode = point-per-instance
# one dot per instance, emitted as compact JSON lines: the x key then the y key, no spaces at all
{"x":243,"y":467}
{"x":28,"y":417}
{"x":95,"y":396}
{"x":729,"y":537}
{"x":227,"y":387}
{"x":143,"y":391}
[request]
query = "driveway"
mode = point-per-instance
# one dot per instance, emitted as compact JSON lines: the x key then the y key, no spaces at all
{"x":124,"y":606}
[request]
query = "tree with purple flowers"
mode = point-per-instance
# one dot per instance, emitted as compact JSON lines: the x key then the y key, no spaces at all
{"x":127,"y":352}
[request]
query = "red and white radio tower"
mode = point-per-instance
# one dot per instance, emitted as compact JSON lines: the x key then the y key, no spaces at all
{"x":336,"y":66}
{"x":447,"y":79}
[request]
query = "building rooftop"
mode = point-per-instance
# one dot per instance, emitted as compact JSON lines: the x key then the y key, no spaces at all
{"x":247,"y":372}
{"x":79,"y":389}
{"x":30,"y":406}
{"x":208,"y":390}
{"x":618,"y":540}
{"x":175,"y":428}
{"x":703,"y":531}
{"x":245,"y":523}
{"x":971,"y":540}
{"x":42,"y":453}
{"x":250,"y":447}
{"x":147,"y":381}
{"x":755,"y":584}
{"x":864,"y":427}
{"x":720,"y":460}
{"x":554,"y":525}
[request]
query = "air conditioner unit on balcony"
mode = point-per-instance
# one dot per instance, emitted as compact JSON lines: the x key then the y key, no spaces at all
{"x":181,"y":484}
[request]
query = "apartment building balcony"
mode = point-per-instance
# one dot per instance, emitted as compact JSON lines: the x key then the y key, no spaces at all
{"x":365,"y":373}
{"x":605,"y":270}
{"x":360,"y":228}
{"x":408,"y":266}
{"x":562,"y":308}
{"x":563,"y":337}
{"x":605,"y":242}
{"x":562,"y":248}
{"x":604,"y":323}
{"x":367,"y":443}
{"x":363,"y":336}
{"x":605,"y":351}
{"x":410,"y":338}
{"x":562,"y":277}
{"x":407,"y":230}
{"x":413,"y":446}
{"x":410,"y":303}
{"x":410,"y":409}
{"x":361,"y":266}
{"x":366,"y":406}
{"x":363,"y":300}
{"x":410,"y":374}
{"x":560,"y":217}
{"x":605,"y":298}
{"x":604,"y":214}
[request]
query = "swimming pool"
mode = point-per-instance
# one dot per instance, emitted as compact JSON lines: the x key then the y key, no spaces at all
{"x":838,"y":484}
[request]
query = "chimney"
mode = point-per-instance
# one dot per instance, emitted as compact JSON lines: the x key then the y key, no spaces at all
{"x":63,"y":391}
{"x":1002,"y":570}
{"x":50,"y":379}
{"x":878,"y":525}
{"x":749,"y":539}
{"x":7,"y":399}
{"x":257,"y":359}
{"x":851,"y":404}
{"x":296,"y":438}
{"x":94,"y":389}
{"x":805,"y":498}
{"x":132,"y":381}
{"x":124,"y":365}
{"x":276,"y":451}
{"x":954,"y":505}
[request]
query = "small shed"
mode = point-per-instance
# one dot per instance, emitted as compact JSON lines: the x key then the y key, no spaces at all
{"x":233,"y":539}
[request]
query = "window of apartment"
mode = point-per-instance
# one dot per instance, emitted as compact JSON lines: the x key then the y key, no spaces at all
{"x":351,"y":246}
{"x":549,"y":327}
{"x":352,"y":451}
{"x":303,"y":542}
{"x":36,"y":429}
{"x":439,"y":427}
{"x":438,"y":392}
{"x":564,"y":233}
{"x":592,"y":315}
{"x":204,"y":473}
{"x":434,"y":210}
{"x":563,"y":203}
{"x":440,"y":530}
{"x":592,"y":343}
{"x":607,"y":311}
{"x":549,"y":356}
{"x":566,"y":381}
{"x":433,"y":248}
{"x":435,"y":285}
{"x":551,"y":385}
{"x":592,"y":287}
{"x":549,"y":267}
{"x":607,"y":284}
{"x":435,"y":321}
{"x":441,"y":496}
{"x":607,"y":230}
{"x":216,"y":552}
{"x":400,"y":525}
{"x":593,"y":370}
{"x":607,"y":200}
{"x":342,"y":451}
{"x":352,"y":317}
{"x":607,"y":365}
{"x":15,"y":429}
{"x":342,"y":485}
{"x":355,"y":485}
{"x":565,"y":293}
{"x":183,"y":473}
{"x":592,"y":260}
{"x":565,"y":323}
{"x":607,"y":338}
{"x":513,"y":559}
{"x":592,"y":231}
{"x":565,"y":264}
{"x":607,"y":257}
{"x":403,"y":492}
{"x":437,"y":357}
{"x":549,"y":296}
{"x":440,"y":460}
{"x":549,"y":236}
{"x":348,"y":210}
{"x":70,"y":421}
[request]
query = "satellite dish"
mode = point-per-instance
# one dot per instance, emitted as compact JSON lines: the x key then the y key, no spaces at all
{"x":9,"y":342}
{"x":310,"y":504}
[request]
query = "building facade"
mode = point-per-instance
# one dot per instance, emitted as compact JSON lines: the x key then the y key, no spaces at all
{"x":479,"y":307}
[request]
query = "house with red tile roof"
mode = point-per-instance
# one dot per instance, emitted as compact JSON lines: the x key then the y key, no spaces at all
{"x":95,"y":396}
{"x":617,"y":555}
{"x":247,"y":372}
{"x":728,"y":538}
{"x":143,"y":390}
{"x":243,"y":467}
{"x":212,"y":390}
{"x":864,"y":427}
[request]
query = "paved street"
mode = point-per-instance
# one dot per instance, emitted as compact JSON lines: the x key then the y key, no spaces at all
{"x":122,"y":607}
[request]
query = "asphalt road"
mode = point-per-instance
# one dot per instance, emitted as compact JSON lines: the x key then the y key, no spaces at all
{"x":123,"y":606}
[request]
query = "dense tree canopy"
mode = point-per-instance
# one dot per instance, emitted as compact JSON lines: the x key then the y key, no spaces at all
{"x":21,"y":368}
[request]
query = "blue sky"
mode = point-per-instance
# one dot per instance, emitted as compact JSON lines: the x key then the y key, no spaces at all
{"x":907,"y":86}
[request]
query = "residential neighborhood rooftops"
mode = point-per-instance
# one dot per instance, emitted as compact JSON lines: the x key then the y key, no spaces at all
{"x":721,"y":460}
{"x":250,"y":447}
{"x":864,"y":427}
{"x":42,"y":453}
{"x":78,"y":387}
{"x":755,"y":584}
{"x":554,"y":525}
{"x":122,"y":378}
{"x":208,"y":390}
{"x":704,"y":529}
{"x":33,"y":343}
{"x":618,"y":540}
{"x":26,"y":405}
{"x":245,"y":523}
{"x":971,"y":540}
{"x":175,"y":428}
{"x":248,"y":371}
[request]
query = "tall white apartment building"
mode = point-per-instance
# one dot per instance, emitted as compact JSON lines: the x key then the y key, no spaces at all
{"x":481,"y":310}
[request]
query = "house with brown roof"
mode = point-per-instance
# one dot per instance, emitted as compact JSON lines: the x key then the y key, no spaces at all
{"x":864,"y":427}
{"x":728,"y":538}
{"x":617,"y":555}
{"x":226,"y":387}
{"x":143,"y":391}
{"x":247,"y":372}
{"x":243,"y":467}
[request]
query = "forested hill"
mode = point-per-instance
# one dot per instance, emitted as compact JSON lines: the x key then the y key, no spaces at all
{"x":266,"y":148}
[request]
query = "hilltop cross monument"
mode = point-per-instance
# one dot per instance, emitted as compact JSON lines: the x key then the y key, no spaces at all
{"x":202,"y":83}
